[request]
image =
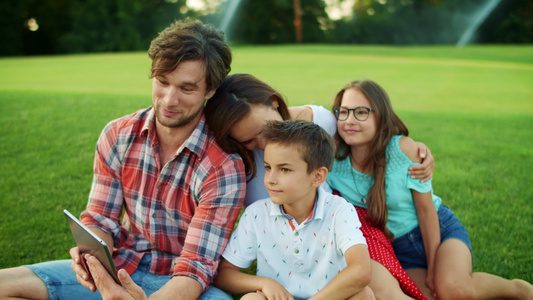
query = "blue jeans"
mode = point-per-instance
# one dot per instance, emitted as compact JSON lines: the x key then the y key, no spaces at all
{"x":61,"y":281}
{"x":409,"y":248}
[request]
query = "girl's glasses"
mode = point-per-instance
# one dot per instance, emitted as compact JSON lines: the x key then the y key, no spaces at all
{"x":360,"y":113}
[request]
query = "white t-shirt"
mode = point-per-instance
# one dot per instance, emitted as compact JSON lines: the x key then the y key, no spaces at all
{"x":255,"y":189}
{"x":305,"y":257}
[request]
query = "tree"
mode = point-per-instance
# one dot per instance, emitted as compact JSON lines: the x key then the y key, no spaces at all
{"x":433,"y":22}
{"x":121,"y":25}
{"x":265,"y":22}
{"x":76,"y":26}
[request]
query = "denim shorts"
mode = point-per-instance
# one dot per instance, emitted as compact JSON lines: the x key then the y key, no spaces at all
{"x":409,"y":248}
{"x":61,"y":281}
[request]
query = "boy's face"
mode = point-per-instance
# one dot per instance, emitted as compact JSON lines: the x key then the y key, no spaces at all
{"x":286,"y":177}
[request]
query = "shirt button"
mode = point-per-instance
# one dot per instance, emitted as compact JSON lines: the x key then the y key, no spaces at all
{"x":296,"y":251}
{"x":296,"y":233}
{"x":153,"y":215}
{"x":159,"y":187}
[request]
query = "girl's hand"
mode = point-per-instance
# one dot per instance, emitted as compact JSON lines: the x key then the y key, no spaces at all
{"x":430,"y":282}
{"x":427,"y":166}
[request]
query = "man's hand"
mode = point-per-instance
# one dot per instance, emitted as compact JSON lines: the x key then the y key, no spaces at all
{"x":108,"y":288}
{"x":79,"y":267}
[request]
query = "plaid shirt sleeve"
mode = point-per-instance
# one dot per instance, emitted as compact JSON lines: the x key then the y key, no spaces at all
{"x":106,"y":199}
{"x":221,"y":198}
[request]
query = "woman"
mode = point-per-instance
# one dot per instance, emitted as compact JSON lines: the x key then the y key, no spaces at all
{"x":371,"y":171}
{"x":237,"y":114}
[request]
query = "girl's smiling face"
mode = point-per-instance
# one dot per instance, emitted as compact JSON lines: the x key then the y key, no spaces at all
{"x":354,"y":132}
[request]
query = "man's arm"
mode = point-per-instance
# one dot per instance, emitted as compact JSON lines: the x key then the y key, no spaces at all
{"x":353,"y":279}
{"x":221,"y":198}
{"x":181,"y":287}
{"x":106,"y":198}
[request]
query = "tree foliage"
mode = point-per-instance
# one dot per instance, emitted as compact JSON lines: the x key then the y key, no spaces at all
{"x":75,"y":26}
{"x":434,"y":22}
{"x":266,"y":22}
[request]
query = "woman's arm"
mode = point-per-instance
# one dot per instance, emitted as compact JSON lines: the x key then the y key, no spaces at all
{"x":231,"y":279}
{"x":425,"y":170}
{"x":353,"y":279}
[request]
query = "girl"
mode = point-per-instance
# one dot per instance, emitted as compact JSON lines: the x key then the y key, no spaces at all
{"x":371,"y":171}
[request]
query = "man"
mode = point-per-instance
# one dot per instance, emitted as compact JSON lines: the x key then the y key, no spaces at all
{"x":164,"y":196}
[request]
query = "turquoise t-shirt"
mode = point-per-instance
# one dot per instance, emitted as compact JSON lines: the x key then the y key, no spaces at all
{"x":354,"y":186}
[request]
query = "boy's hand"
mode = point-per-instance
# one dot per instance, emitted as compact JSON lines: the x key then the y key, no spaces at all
{"x":272,"y":290}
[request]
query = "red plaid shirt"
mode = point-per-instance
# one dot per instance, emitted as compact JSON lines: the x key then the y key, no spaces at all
{"x":182,"y":214}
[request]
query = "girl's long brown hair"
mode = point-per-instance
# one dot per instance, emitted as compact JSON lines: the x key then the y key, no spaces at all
{"x":388,"y":124}
{"x":232,"y":102}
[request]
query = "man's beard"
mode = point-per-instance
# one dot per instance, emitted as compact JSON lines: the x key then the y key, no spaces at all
{"x":181,"y":122}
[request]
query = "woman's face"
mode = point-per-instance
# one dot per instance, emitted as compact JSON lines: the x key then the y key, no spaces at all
{"x":248,"y":131}
{"x":352,"y":131}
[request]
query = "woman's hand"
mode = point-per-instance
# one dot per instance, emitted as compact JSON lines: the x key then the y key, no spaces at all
{"x":425,"y":170}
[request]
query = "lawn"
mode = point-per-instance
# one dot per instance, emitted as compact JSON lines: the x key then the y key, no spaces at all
{"x":471,"y":106}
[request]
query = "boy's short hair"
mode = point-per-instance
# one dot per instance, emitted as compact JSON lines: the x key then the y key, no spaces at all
{"x":314,"y":144}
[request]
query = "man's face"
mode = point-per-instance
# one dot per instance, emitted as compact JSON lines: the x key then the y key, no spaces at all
{"x":178,"y":97}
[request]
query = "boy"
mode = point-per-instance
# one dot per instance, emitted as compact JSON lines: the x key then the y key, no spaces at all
{"x":306,"y":241}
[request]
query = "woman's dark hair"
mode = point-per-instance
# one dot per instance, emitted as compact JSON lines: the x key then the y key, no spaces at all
{"x":231,"y":103}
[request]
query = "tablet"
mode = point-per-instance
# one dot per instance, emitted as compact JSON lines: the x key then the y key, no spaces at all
{"x":88,"y":242}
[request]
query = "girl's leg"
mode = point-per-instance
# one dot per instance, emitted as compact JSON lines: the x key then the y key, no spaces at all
{"x":454,"y":278}
{"x":366,"y":294}
{"x":384,"y":285}
{"x":21,"y":283}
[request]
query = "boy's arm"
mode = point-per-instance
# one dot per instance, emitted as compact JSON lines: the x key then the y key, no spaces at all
{"x":231,"y":279}
{"x":353,"y":279}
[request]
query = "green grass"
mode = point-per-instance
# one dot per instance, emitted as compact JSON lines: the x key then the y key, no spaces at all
{"x":472,"y":107}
